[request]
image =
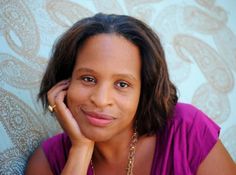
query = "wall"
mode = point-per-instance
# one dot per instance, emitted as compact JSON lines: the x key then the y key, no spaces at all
{"x":199,"y":38}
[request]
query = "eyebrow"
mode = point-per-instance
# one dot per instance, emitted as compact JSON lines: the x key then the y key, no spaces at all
{"x":88,"y":70}
{"x":129,"y":76}
{"x":83,"y":69}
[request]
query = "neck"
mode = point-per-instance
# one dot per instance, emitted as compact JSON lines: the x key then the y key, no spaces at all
{"x":115,"y":156}
{"x":114,"y":150}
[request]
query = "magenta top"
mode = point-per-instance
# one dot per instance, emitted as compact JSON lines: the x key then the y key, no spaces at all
{"x":185,"y":142}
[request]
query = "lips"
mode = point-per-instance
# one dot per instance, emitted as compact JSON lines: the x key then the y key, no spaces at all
{"x":98,"y":119}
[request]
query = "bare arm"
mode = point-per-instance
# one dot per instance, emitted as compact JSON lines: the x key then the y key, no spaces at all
{"x":217,"y":162}
{"x":38,"y":163}
{"x":81,"y":154}
{"x":82,"y":148}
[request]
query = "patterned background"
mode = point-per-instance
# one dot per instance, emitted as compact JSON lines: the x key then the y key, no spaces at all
{"x":199,"y":37}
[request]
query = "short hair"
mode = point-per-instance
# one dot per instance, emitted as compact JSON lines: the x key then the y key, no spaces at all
{"x":158,"y":94}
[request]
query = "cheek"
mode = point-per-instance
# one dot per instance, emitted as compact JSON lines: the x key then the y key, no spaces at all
{"x":76,"y":95}
{"x":129,"y":104}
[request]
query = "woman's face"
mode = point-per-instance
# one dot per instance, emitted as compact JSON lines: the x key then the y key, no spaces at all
{"x":105,"y":87}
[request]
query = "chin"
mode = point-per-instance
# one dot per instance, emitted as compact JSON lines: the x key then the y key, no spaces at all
{"x":96,"y":134}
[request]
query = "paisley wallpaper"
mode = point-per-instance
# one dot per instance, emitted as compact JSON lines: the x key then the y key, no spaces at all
{"x":199,"y":37}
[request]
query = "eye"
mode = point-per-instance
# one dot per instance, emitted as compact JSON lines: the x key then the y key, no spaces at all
{"x":122,"y":84}
{"x":88,"y":79}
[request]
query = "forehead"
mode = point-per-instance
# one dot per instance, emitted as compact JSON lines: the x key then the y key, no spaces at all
{"x":108,"y":42}
{"x":109,"y":50}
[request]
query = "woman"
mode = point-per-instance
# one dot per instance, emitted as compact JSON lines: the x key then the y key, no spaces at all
{"x":108,"y":84}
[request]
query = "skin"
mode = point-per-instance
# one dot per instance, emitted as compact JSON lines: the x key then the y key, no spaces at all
{"x":106,"y":81}
{"x":99,"y":87}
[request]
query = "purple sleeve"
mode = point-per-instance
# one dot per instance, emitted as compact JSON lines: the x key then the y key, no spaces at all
{"x":56,"y":151}
{"x":202,"y":136}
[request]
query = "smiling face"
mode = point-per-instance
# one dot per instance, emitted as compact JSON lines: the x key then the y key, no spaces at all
{"x":105,"y":87}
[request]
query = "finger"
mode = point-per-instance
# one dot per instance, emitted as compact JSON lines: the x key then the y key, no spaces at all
{"x":60,"y":83}
{"x":61,"y":106}
{"x":64,"y":115}
{"x":52,"y":93}
{"x":59,"y":100}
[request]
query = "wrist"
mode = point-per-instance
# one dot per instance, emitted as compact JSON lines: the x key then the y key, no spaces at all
{"x":79,"y":159}
{"x":82,"y":147}
{"x":76,"y":146}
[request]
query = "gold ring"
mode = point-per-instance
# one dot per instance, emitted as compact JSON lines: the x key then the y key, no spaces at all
{"x":51,"y":108}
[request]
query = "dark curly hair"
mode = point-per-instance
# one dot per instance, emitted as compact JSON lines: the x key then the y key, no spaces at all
{"x":158,"y":94}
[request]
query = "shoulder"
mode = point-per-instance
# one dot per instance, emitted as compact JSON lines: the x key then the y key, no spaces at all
{"x":185,"y":112}
{"x":59,"y":140}
{"x":50,"y":156}
{"x":192,"y":118}
{"x":56,"y":150}
{"x":54,"y":146}
{"x":197,"y":132}
{"x":38,"y":164}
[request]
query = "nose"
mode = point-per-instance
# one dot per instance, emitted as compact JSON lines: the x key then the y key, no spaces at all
{"x":102,"y":95}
